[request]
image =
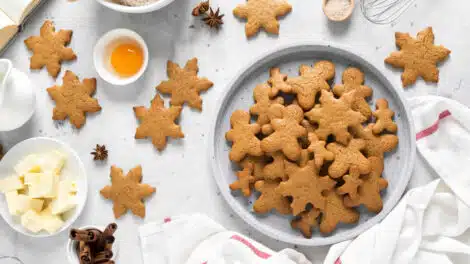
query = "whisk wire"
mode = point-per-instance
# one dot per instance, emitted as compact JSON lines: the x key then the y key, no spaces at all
{"x":384,"y":11}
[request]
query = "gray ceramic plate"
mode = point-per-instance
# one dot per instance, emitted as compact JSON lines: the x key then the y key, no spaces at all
{"x":398,"y":164}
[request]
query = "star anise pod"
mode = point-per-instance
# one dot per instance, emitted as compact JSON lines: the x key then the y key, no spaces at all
{"x":100,"y":152}
{"x":214,"y":19}
{"x":201,"y":8}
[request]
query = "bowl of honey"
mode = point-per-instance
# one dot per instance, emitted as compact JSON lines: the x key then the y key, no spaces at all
{"x":121,"y":56}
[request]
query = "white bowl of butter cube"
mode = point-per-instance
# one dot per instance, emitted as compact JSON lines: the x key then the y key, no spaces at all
{"x":43,"y":187}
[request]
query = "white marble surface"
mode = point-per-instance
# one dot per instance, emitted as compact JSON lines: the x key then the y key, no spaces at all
{"x":181,"y":173}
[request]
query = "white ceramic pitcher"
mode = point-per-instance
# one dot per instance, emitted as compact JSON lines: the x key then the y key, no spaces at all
{"x":17,"y":97}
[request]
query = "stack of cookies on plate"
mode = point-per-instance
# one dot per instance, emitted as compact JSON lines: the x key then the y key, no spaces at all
{"x":315,"y":151}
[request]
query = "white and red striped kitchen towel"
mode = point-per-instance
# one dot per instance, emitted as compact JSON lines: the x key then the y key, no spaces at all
{"x":197,"y":239}
{"x":426,"y":227}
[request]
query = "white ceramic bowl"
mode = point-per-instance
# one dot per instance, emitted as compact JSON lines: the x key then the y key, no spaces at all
{"x":72,"y":255}
{"x":73,"y":169}
{"x":135,"y":9}
{"x":102,"y":53}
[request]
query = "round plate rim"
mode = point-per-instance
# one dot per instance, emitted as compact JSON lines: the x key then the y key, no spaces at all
{"x":322,"y":241}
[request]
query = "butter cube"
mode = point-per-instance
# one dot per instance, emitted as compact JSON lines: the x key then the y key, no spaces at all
{"x":66,"y":198}
{"x":10,"y":184}
{"x":19,"y":203}
{"x":41,"y":185}
{"x":29,"y":164}
{"x":52,"y":162}
{"x":51,"y":223}
{"x":32,"y":221}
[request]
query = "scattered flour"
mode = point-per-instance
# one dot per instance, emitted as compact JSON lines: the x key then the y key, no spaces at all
{"x":134,"y":2}
{"x":337,"y":9}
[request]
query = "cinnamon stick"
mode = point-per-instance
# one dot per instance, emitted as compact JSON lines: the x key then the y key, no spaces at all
{"x":110,"y":229}
{"x":103,"y":256}
{"x":85,"y":254}
{"x":108,"y":242}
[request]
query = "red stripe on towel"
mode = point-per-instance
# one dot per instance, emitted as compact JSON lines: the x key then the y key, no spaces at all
{"x":433,"y":128}
{"x":167,"y":220}
{"x":338,"y":261}
{"x":258,"y":252}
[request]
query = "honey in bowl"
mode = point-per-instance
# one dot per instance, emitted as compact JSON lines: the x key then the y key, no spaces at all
{"x":127,"y":59}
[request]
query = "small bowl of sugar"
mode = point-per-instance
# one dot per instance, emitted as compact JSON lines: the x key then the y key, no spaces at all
{"x":338,"y":10}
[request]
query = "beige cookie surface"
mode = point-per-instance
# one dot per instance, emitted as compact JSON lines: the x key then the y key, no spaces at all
{"x":127,"y":192}
{"x":270,"y":199}
{"x":73,"y":99}
{"x":262,"y":14}
{"x":417,"y":57}
{"x":49,"y":48}
{"x":243,"y":136}
{"x":158,"y":122}
{"x":184,"y":85}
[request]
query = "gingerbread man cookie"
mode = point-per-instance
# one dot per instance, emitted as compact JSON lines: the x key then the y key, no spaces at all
{"x":262,"y":103}
{"x":418,"y":57}
{"x":311,"y":81}
{"x":353,"y":80}
{"x":317,"y":147}
{"x":277,"y":80}
{"x":270,"y":199}
{"x":347,"y":157}
{"x":352,"y":181}
{"x":258,"y":165}
{"x":286,"y":132}
{"x":306,"y":221}
{"x":335,"y":116}
{"x":305,"y":187}
{"x":276,"y":169}
{"x":245,"y":180}
{"x":335,"y":212}
{"x":184,"y":85}
{"x":376,"y":145}
{"x":49,"y":48}
{"x":262,"y":14}
{"x":243,"y":136}
{"x":383,"y":116}
{"x":369,"y":191}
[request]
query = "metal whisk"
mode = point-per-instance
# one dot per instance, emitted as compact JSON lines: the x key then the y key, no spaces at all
{"x":384,"y":11}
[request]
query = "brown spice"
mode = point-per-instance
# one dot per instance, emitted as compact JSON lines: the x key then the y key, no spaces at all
{"x":201,"y":8}
{"x":100,"y":152}
{"x":214,"y":20}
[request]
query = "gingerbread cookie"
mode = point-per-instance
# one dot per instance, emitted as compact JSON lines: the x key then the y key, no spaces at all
{"x":263,"y":103}
{"x":276,"y":169}
{"x":184,"y":85}
{"x":306,"y":221}
{"x":49,"y":48}
{"x":335,"y":212}
{"x":270,"y":199}
{"x":376,"y":145}
{"x":277,"y":80}
{"x":384,"y":118}
{"x":353,"y":80}
{"x":347,"y":157}
{"x":258,"y":165}
{"x":245,"y":180}
{"x":317,"y":147}
{"x":305,"y":187}
{"x":158,"y":122}
{"x":286,"y":132}
{"x":369,"y":191}
{"x":304,"y":158}
{"x":243,"y":136}
{"x":418,"y":57}
{"x":335,"y":116}
{"x":73,"y":99}
{"x":127,"y":192}
{"x":352,"y":181}
{"x":311,"y":81}
{"x":275,"y":111}
{"x":262,"y":14}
